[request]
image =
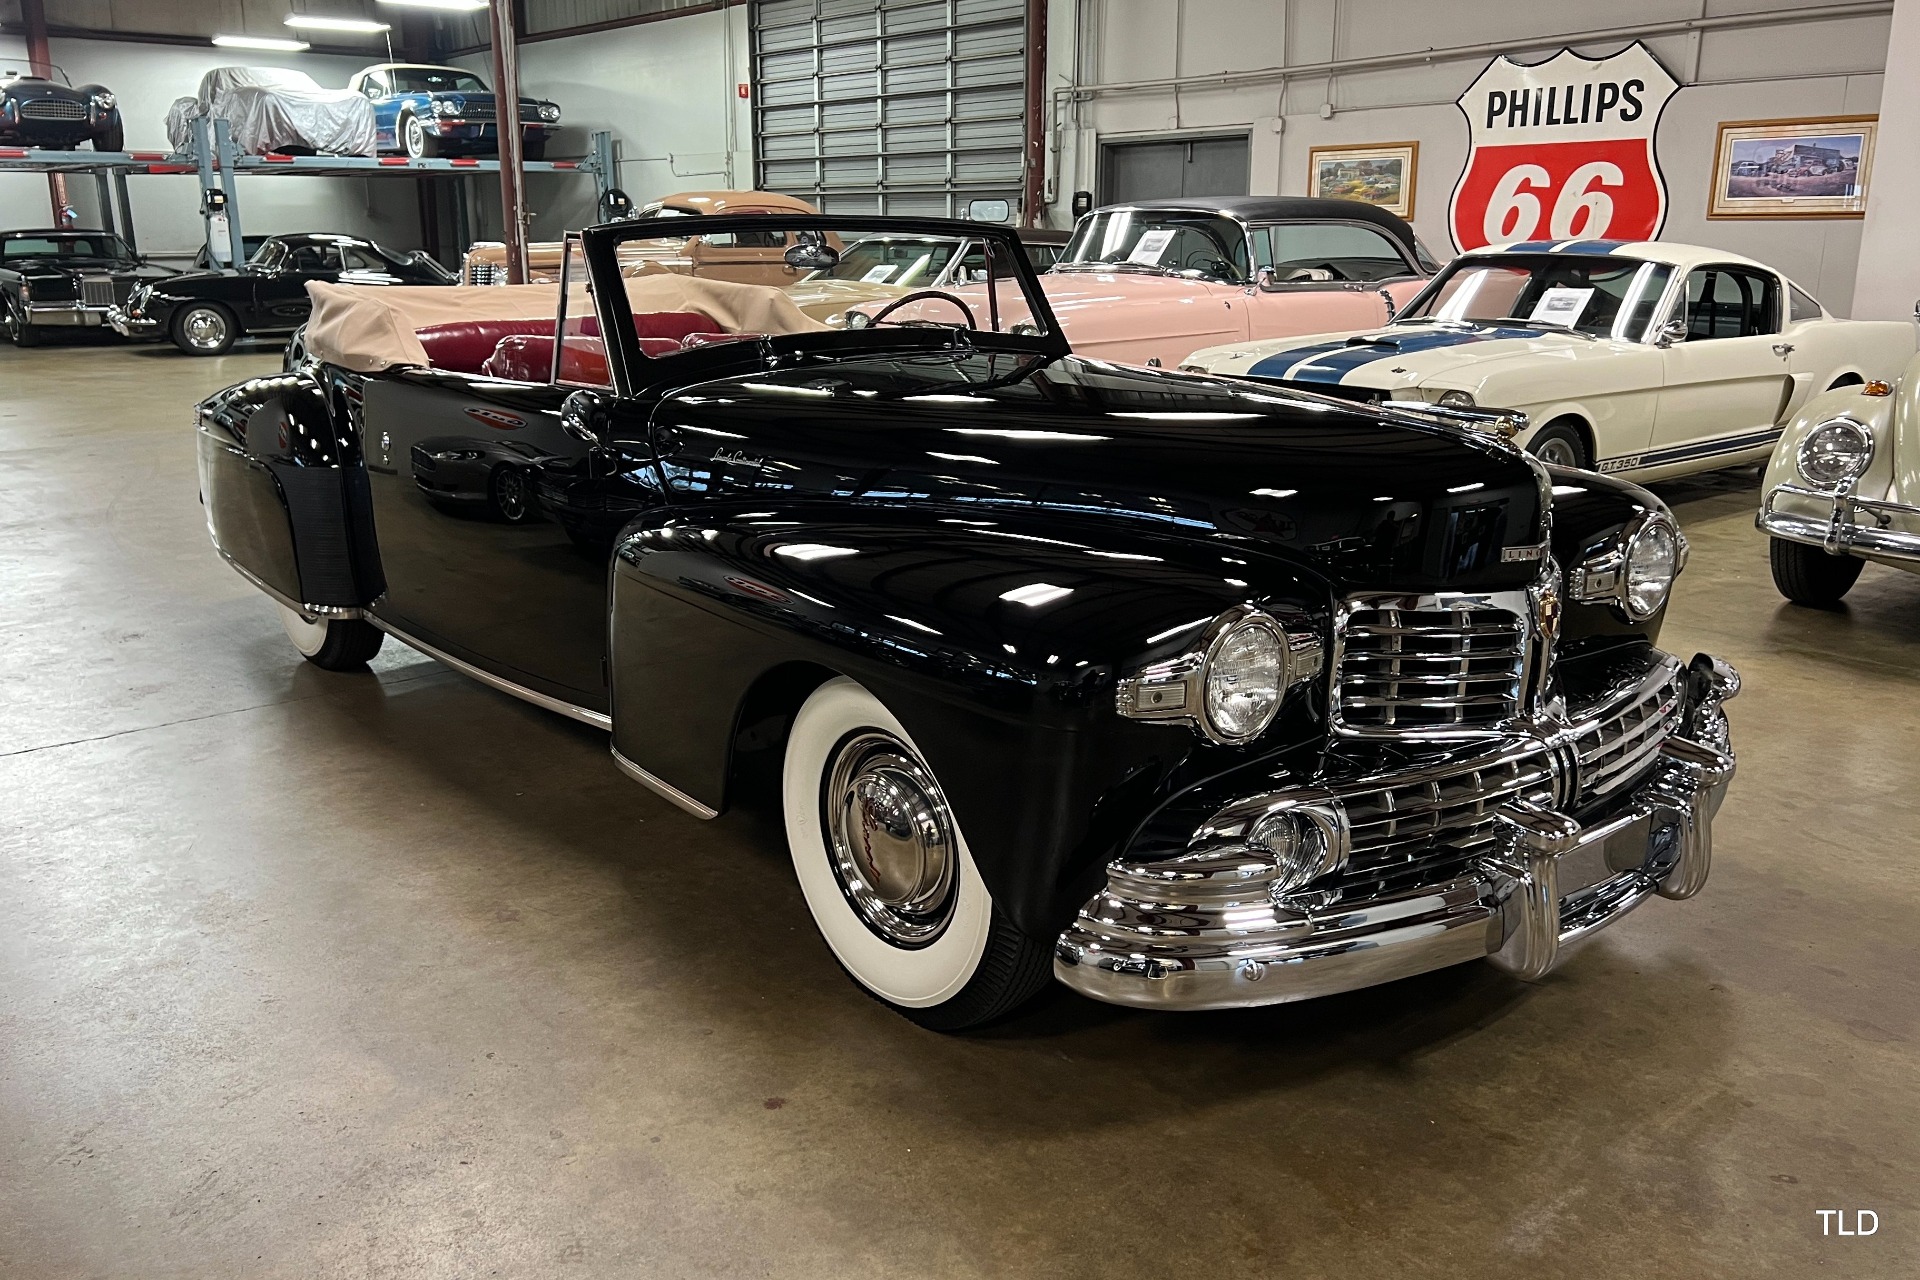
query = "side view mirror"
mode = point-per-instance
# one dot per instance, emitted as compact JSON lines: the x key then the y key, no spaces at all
{"x":1669,"y":333}
{"x":1267,"y":280}
{"x":811,"y":252}
{"x":584,"y":415}
{"x":988,"y":210}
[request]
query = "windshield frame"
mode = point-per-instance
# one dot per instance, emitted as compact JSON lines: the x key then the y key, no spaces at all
{"x":396,"y":74}
{"x":123,"y":251}
{"x":1662,"y":302}
{"x":634,"y":371}
{"x":1067,"y":266}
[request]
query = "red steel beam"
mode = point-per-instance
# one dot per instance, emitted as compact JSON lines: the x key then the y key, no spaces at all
{"x":33,"y":16}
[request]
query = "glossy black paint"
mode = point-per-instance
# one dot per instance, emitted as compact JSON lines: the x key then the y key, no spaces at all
{"x":59,"y":278}
{"x":25,"y":101}
{"x":751,"y":519}
{"x":268,"y":296}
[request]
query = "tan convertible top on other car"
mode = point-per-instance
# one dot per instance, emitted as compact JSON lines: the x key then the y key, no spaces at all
{"x":368,"y":328}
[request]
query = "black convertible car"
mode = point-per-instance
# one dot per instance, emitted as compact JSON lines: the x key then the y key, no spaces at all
{"x":65,"y":279}
{"x":38,"y":112}
{"x":205,"y":312}
{"x":1189,"y":693}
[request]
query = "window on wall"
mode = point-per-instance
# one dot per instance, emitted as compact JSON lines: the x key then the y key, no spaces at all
{"x":1171,"y":169}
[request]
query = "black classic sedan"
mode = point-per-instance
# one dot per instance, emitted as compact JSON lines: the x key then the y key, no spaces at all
{"x":39,"y":112}
{"x":205,"y":312}
{"x":1188,"y":693}
{"x":65,"y":279}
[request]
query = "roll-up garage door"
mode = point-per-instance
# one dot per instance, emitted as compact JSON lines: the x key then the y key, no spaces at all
{"x":907,"y":107}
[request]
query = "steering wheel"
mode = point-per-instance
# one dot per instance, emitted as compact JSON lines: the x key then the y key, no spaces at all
{"x":924,"y":295}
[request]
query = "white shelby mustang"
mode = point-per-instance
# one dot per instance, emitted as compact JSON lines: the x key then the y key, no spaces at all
{"x":1646,"y":357}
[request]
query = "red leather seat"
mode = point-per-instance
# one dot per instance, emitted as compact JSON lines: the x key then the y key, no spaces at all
{"x":464,"y":345}
{"x":660,"y":324}
{"x":529,"y":358}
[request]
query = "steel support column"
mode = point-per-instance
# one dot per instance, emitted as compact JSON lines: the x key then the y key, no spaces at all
{"x":33,"y":16}
{"x":501,"y":16}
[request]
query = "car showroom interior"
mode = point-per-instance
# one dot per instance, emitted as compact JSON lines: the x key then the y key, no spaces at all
{"x":959,"y":638}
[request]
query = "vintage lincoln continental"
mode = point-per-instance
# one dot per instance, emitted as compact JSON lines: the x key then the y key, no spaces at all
{"x":1188,"y":693}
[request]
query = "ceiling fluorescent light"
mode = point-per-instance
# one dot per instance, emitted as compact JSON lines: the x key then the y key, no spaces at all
{"x":261,"y":42}
{"x":357,"y":26}
{"x":463,"y":6}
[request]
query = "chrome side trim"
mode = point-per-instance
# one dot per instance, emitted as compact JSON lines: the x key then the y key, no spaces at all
{"x":666,"y":790}
{"x":597,"y":719}
{"x":311,"y":612}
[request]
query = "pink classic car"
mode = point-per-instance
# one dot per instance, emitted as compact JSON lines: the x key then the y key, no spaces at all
{"x":1153,"y":281}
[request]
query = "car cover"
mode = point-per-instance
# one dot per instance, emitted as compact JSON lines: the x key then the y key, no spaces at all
{"x":271,"y":109}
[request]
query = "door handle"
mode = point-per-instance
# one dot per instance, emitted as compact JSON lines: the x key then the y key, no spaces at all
{"x":1783,"y":349}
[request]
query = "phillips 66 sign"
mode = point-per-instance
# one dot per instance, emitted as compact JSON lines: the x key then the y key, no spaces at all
{"x":1562,"y":150}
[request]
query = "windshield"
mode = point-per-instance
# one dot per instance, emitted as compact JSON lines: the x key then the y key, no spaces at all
{"x":891,"y":260}
{"x":435,"y":80}
{"x":96,"y":246}
{"x":1598,"y":295}
{"x":1203,"y":245}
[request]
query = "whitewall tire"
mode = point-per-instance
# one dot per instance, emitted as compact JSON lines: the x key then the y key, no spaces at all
{"x":887,"y":873}
{"x":336,"y":644}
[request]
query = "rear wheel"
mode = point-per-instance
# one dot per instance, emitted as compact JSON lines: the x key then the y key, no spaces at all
{"x":336,"y":644}
{"x":204,"y":329}
{"x":419,"y":142}
{"x":1807,"y":575}
{"x":887,"y":873}
{"x":1562,"y":445}
{"x":510,"y":494}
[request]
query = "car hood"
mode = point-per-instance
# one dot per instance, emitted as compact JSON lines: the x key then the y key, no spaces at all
{"x":1405,"y":356}
{"x":1365,"y":499}
{"x":34,"y":89}
{"x":819,"y":298}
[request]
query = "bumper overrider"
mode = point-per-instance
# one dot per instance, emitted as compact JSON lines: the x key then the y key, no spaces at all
{"x":128,"y":325}
{"x":1835,"y":524}
{"x":1516,"y":876}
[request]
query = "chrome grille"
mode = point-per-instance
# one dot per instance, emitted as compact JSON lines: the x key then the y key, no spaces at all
{"x":477,"y":111}
{"x":1434,"y":663}
{"x":1615,"y":748}
{"x":486,"y":273}
{"x":52,"y":109}
{"x":96,"y":291}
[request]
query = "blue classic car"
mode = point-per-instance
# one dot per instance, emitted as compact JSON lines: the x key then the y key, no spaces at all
{"x":431,"y":111}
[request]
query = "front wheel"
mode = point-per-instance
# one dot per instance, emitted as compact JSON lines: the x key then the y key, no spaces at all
{"x":887,"y":873}
{"x":420,"y":144}
{"x":111,"y":138}
{"x":205,"y":329}
{"x":1807,"y":575}
{"x":335,"y":644}
{"x":19,"y":332}
{"x":1560,"y":444}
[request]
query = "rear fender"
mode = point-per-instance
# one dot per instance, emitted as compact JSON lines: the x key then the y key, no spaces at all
{"x":1011,"y":703}
{"x":286,"y":491}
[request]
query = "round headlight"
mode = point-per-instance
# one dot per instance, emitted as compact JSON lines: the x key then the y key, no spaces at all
{"x":104,"y":101}
{"x":1653,"y":562}
{"x":1455,"y":400}
{"x":1246,"y":675}
{"x":444,"y":107}
{"x":1835,"y":452}
{"x":549,"y":113}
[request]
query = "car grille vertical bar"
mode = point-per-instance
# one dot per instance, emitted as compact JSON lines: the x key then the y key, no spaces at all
{"x":97,"y":291}
{"x":1429,"y":664}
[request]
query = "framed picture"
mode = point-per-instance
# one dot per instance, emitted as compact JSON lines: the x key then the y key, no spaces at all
{"x":1812,"y":168}
{"x":1382,"y":174}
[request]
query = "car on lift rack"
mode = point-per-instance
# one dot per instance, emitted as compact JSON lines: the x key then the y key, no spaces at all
{"x":1189,"y":693}
{"x":425,"y":111}
{"x":205,"y":312}
{"x":39,"y":112}
{"x":66,"y":279}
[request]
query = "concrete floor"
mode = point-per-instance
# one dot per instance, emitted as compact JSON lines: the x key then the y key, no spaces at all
{"x":312,"y":975}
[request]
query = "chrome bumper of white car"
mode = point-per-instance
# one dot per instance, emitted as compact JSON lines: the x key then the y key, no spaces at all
{"x":1203,"y":932}
{"x":1839,"y":531}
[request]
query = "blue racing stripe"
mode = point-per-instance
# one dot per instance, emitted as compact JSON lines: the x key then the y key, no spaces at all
{"x":1598,"y":248}
{"x":1330,"y":362}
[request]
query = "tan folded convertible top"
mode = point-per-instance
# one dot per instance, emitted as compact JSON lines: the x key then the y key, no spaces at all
{"x":368,"y":328}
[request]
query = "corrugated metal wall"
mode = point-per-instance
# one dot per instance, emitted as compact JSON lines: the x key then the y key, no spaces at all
{"x":889,"y":106}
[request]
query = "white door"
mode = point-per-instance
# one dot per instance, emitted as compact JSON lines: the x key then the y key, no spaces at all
{"x":1728,"y":379}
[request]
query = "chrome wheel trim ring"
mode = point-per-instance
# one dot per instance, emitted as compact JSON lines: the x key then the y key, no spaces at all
{"x":1558,"y":452}
{"x":204,"y":328}
{"x":890,"y":838}
{"x":416,"y":137}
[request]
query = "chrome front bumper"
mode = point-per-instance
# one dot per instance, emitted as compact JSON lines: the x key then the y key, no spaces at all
{"x":129,"y":326}
{"x":1205,"y":930}
{"x":1838,"y":532}
{"x":71,"y":314}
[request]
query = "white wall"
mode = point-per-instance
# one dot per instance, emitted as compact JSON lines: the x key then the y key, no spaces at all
{"x":1887,"y":280}
{"x":665,"y":89}
{"x":166,"y":209}
{"x":1808,"y":68}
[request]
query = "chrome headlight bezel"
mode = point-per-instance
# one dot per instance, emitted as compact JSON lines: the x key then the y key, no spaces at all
{"x":104,"y":101}
{"x":1454,"y":399}
{"x":1178,"y":689}
{"x":1808,"y":459}
{"x":1607,"y":577}
{"x":445,"y":107}
{"x":550,"y":113}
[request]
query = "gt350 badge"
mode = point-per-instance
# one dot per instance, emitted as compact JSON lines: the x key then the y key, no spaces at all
{"x":1563,"y":150}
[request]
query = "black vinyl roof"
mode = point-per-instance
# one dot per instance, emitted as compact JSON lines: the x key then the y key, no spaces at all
{"x":1280,"y":209}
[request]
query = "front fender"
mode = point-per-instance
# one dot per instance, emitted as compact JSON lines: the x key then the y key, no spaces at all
{"x":1012,"y":703}
{"x":1884,"y":417}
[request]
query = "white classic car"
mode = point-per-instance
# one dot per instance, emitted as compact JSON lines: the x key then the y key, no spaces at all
{"x":1651,"y":358}
{"x":1833,"y":491}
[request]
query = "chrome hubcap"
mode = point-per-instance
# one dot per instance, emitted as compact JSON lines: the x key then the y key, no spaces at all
{"x":416,"y":136}
{"x":1558,"y":452}
{"x":891,"y":839}
{"x":205,"y":329}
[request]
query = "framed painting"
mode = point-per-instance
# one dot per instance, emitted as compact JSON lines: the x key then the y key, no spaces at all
{"x":1809,"y":168}
{"x":1381,"y":174}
